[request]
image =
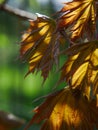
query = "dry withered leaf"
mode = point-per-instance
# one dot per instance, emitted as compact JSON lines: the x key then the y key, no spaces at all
{"x":40,"y":45}
{"x":79,"y":16}
{"x":81,"y":68}
{"x":63,"y":110}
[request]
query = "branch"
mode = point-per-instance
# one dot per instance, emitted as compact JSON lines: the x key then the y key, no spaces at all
{"x":18,"y":12}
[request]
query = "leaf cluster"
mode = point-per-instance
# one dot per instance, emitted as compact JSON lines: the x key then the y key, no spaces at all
{"x":75,"y":106}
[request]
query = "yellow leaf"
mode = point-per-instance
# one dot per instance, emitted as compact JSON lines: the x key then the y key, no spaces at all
{"x":80,"y":16}
{"x":82,"y":66}
{"x":40,"y":45}
{"x":66,"y":110}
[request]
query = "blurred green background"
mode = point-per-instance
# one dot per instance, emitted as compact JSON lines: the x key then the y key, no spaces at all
{"x":17,"y":92}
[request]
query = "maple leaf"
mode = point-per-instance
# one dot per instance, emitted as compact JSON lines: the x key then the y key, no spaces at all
{"x":63,"y":110}
{"x":81,"y":68}
{"x":40,"y":45}
{"x":79,"y":17}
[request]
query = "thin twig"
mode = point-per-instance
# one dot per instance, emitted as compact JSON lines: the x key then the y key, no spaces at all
{"x":18,"y":12}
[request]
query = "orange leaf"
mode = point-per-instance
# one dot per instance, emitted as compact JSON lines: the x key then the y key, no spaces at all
{"x":40,"y":45}
{"x":80,"y":16}
{"x":82,"y":66}
{"x":67,"y":109}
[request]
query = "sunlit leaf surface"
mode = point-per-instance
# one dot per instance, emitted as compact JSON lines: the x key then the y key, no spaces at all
{"x":66,"y":110}
{"x":79,"y":15}
{"x":40,"y":45}
{"x":74,"y":107}
{"x":81,"y":68}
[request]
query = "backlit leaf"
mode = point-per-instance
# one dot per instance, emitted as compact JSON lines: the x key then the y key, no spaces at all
{"x":66,"y":110}
{"x":40,"y":45}
{"x":81,"y":68}
{"x":80,"y":16}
